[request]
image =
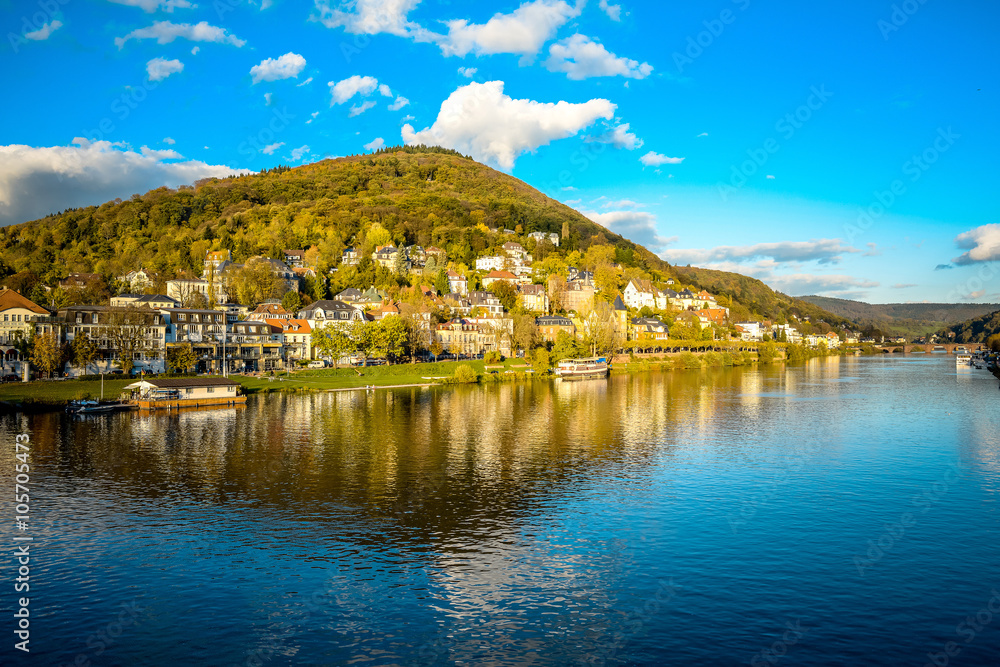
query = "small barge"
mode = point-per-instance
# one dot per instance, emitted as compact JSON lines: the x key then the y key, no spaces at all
{"x":174,"y":393}
{"x":581,"y":369}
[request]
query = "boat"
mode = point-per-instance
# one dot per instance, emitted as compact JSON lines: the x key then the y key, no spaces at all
{"x":85,"y":407}
{"x":580,"y":369}
{"x":963,"y":360}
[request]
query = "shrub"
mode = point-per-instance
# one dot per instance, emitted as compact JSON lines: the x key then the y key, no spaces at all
{"x":465,"y":375}
{"x":493,"y":357}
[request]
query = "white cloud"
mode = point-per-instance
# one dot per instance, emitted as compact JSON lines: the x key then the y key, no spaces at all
{"x":522,"y":32}
{"x":614,"y":12}
{"x":479,"y":119}
{"x":287,"y":66}
{"x":981,"y":244}
{"x":637,"y":226}
{"x":384,"y":90}
{"x":359,"y":109}
{"x":580,"y":57}
{"x":347,"y":88}
{"x":160,"y":68}
{"x":267,"y":99}
{"x":369,"y":17}
{"x":304,"y":83}
{"x":399,"y":103}
{"x":375,"y":144}
{"x":621,"y":203}
{"x":653,"y":159}
{"x":195,"y":50}
{"x":169,"y":141}
{"x":43,"y":33}
{"x":619,"y":137}
{"x":150,"y":6}
{"x":270,"y":148}
{"x":168,"y":154}
{"x":297,"y":153}
{"x":313,"y":114}
{"x":165,"y":32}
{"x":467,"y":72}
{"x":406,"y":118}
{"x":703,"y":134}
{"x":824,"y":251}
{"x":37,"y":181}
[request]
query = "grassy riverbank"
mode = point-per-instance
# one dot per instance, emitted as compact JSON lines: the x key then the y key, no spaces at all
{"x":59,"y":392}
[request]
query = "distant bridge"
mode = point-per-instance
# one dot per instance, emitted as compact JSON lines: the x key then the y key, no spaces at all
{"x":949,"y":348}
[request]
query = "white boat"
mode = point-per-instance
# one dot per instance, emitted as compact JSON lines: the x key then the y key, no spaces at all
{"x":579,"y":369}
{"x":963,"y":360}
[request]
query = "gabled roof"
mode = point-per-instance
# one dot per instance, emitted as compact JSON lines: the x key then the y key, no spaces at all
{"x":270,"y":309}
{"x":553,"y":320}
{"x":501,"y":275}
{"x":619,"y":304}
{"x":11,"y":299}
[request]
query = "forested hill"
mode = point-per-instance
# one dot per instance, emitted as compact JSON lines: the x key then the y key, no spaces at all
{"x":408,"y":195}
{"x":757,"y":299}
{"x":977,"y":330}
{"x":903,"y":318}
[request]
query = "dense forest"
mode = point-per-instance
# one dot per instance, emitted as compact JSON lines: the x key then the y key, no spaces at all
{"x":977,"y":330}
{"x":903,"y":318}
{"x":400,"y":195}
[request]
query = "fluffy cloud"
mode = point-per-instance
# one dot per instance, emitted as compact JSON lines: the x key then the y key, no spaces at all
{"x":467,"y":72}
{"x":480,"y":120}
{"x":43,"y":33}
{"x":824,"y":251}
{"x":399,"y":103}
{"x":522,"y":32}
{"x":580,"y":57}
{"x":165,"y":32}
{"x":35,"y":182}
{"x":159,"y":68}
{"x":619,"y":137}
{"x":370,"y":17}
{"x":636,"y":226}
{"x":150,"y":6}
{"x":653,"y":159}
{"x":304,"y":83}
{"x":981,"y":244}
{"x":359,"y":109}
{"x":375,"y":144}
{"x":345,"y":89}
{"x":797,"y":284}
{"x":614,"y":12}
{"x":297,"y":153}
{"x":287,"y":66}
{"x":270,"y":148}
{"x":168,"y":140}
{"x":621,"y":203}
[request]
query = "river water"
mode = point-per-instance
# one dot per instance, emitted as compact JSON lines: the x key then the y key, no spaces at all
{"x":844,"y":511}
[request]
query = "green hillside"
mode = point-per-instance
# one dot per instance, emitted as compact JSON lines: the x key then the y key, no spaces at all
{"x":910,"y":319}
{"x":753,"y":300}
{"x":400,"y":195}
{"x":977,"y":330}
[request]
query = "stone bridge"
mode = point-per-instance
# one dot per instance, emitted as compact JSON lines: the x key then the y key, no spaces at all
{"x":931,"y":348}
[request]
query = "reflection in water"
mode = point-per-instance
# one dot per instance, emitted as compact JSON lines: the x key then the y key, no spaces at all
{"x":520,"y":523}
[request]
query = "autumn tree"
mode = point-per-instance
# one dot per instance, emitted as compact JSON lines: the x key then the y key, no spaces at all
{"x":180,"y":358}
{"x":506,"y":293}
{"x":333,"y":341}
{"x":125,"y":329}
{"x":46,"y":353}
{"x":525,"y":331}
{"x":84,"y":350}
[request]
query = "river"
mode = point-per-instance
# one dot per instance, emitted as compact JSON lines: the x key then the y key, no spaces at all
{"x":843,"y":511}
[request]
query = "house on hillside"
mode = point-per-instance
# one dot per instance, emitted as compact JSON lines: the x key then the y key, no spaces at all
{"x":534,"y":298}
{"x":550,"y":326}
{"x":494,"y":276}
{"x":457,"y":283}
{"x":640,"y":294}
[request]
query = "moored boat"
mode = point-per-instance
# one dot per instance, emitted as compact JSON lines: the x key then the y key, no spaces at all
{"x":963,"y":360}
{"x":579,"y":369}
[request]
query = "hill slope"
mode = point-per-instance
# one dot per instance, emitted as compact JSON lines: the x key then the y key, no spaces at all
{"x":426,"y":196}
{"x":976,"y":330}
{"x":903,"y":318}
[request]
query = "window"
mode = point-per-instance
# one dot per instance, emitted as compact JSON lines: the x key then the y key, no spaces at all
{"x":181,"y":317}
{"x":211,"y":390}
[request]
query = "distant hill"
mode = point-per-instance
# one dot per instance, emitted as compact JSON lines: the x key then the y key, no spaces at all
{"x":400,"y":195}
{"x":911,"y":319}
{"x":976,"y":330}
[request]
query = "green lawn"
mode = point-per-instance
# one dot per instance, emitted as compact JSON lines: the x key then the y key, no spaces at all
{"x":347,"y":378}
{"x":60,"y":391}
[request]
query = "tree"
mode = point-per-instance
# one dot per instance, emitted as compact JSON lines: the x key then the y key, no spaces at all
{"x":180,"y":358}
{"x":441,"y":283}
{"x":525,"y":331}
{"x":399,"y":262}
{"x":84,"y":350}
{"x":125,"y":330}
{"x":565,"y":347}
{"x":601,"y":330}
{"x":507,"y":294}
{"x":393,"y":336}
{"x":436,"y":348}
{"x":540,"y":360}
{"x":993,"y":343}
{"x":254,"y":283}
{"x":46,"y":352}
{"x":333,"y":341}
{"x":291,"y":302}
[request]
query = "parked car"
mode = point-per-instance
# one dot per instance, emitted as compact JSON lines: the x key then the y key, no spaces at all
{"x":116,"y":371}
{"x":318,"y":363}
{"x":10,"y":377}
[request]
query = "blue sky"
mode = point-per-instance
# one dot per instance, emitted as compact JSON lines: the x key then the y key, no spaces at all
{"x":841,"y":148}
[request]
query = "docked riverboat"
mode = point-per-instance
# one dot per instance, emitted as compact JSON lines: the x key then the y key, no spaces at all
{"x":581,"y":369}
{"x":963,"y":360}
{"x":173,"y":393}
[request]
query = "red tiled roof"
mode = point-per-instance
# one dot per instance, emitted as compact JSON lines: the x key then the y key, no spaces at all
{"x":11,"y":299}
